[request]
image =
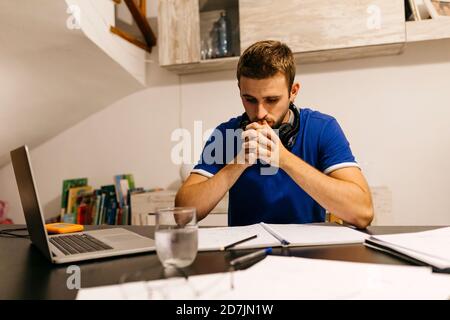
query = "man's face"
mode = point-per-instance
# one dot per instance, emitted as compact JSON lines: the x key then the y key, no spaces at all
{"x":267,"y":99}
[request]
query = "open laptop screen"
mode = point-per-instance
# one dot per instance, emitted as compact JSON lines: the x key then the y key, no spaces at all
{"x":29,"y":199}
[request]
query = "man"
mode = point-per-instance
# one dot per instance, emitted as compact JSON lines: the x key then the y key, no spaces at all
{"x":315,"y":168}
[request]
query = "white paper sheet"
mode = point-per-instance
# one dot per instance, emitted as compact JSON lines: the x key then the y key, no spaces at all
{"x":309,"y":234}
{"x":292,"y":278}
{"x":216,"y":238}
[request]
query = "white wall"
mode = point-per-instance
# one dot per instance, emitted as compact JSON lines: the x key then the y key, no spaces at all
{"x":395,"y":111}
{"x":96,"y":17}
{"x":130,"y":136}
{"x":43,"y":68}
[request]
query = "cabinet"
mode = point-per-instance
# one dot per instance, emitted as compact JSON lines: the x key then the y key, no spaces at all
{"x":316,"y":31}
{"x":178,"y":32}
{"x":311,"y":25}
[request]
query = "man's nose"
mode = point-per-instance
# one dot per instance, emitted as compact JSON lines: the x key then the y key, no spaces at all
{"x":261,"y":112}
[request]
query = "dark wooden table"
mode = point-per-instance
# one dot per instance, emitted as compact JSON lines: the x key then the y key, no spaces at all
{"x":26,"y":274}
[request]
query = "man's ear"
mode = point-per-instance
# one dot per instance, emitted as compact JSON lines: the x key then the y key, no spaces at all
{"x":294,"y":91}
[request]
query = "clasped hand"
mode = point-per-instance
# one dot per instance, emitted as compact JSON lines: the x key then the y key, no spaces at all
{"x":261,"y":142}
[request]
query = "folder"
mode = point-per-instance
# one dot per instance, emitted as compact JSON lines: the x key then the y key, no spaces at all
{"x":425,"y":248}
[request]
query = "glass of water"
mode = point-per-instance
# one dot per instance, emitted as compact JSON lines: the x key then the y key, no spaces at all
{"x":176,"y":236}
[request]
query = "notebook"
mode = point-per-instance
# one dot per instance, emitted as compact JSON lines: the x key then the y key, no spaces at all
{"x":275,"y":235}
{"x":424,"y":248}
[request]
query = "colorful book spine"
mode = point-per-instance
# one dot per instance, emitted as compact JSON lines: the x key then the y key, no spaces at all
{"x":67,"y":184}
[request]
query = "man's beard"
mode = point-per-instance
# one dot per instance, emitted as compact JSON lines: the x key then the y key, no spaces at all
{"x":279,"y":122}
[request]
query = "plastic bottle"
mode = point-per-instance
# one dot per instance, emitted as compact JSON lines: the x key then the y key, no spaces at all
{"x":214,"y":37}
{"x":223,"y":35}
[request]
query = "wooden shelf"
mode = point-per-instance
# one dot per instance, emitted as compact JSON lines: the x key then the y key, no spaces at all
{"x":431,"y":29}
{"x":300,"y":58}
{"x":222,"y":64}
{"x":204,"y":66}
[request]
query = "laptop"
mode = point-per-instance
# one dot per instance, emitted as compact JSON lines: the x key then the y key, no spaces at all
{"x":79,"y":246}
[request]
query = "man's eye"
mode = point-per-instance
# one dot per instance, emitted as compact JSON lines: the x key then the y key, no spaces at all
{"x":250,"y":100}
{"x":272,"y":100}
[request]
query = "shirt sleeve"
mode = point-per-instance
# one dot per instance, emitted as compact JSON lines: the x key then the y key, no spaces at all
{"x":212,"y":158}
{"x":334,"y":149}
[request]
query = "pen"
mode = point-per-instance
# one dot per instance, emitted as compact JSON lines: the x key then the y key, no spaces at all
{"x":250,"y":256}
{"x":238,"y":242}
{"x":273,"y":233}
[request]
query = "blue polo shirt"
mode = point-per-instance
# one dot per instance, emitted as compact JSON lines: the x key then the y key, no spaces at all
{"x":276,"y":198}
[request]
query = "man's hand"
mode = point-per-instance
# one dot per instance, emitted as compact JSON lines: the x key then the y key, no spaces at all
{"x":261,"y":142}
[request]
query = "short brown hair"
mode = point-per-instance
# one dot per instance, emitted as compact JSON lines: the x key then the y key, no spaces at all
{"x":264,"y":59}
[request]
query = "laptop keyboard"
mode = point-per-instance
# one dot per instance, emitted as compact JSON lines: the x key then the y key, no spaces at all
{"x":78,"y":243}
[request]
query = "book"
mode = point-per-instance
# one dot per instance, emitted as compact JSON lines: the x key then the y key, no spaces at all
{"x":67,"y":184}
{"x":72,"y":202}
{"x":82,"y":212}
{"x":123,"y":183}
{"x":99,"y":214}
{"x":86,"y":208}
{"x":275,"y":235}
{"x":129,"y":211}
{"x":96,"y":206}
{"x":130,"y":179}
{"x":430,"y":248}
{"x":118,"y":188}
{"x":110,"y":205}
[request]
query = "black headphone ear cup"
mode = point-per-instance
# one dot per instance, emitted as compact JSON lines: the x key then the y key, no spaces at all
{"x":283,"y":133}
{"x":287,"y":131}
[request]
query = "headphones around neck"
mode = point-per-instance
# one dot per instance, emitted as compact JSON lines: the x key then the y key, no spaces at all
{"x":287,"y":132}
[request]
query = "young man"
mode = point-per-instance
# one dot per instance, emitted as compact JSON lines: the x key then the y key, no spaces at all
{"x":314,"y":166}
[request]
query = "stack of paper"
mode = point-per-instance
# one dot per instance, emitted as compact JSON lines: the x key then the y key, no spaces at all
{"x":427,"y":247}
{"x":291,"y":278}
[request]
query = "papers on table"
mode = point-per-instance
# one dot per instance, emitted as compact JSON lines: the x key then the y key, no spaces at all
{"x":271,"y":235}
{"x":430,"y":247}
{"x":291,"y":278}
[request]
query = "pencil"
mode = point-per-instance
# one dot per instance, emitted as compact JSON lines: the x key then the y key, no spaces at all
{"x":238,"y":242}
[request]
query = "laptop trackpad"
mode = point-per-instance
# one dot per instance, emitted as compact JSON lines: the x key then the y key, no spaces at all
{"x":121,"y":238}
